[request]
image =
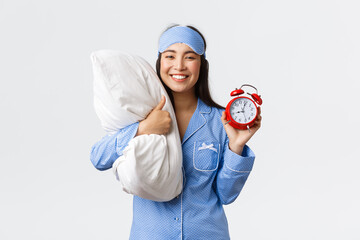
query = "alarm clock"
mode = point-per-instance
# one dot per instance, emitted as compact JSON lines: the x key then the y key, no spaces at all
{"x":241,"y":112}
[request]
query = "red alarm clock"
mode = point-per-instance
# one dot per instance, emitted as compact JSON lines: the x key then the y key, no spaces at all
{"x":241,"y":112}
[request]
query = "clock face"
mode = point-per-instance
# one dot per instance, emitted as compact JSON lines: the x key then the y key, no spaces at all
{"x":243,"y":110}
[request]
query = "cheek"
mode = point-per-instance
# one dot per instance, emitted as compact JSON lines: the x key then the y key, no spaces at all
{"x":164,"y":67}
{"x":195,"y":68}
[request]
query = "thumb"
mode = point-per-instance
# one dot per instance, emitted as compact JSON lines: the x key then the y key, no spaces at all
{"x":161,"y":103}
{"x":223,"y":117}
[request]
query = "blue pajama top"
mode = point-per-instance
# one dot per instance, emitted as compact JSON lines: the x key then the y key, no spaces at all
{"x":213,"y":177}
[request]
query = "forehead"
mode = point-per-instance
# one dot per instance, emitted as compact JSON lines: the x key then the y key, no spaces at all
{"x":179,"y":47}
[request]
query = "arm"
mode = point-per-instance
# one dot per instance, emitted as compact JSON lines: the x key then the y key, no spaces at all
{"x":236,"y":161}
{"x":105,"y":152}
{"x":233,"y":172}
{"x":109,"y":148}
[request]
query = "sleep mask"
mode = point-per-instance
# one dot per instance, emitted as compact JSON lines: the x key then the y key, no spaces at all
{"x":180,"y":34}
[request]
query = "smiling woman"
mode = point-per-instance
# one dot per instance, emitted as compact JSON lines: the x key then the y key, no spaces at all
{"x":197,"y":43}
{"x":216,"y":161}
{"x":180,"y":68}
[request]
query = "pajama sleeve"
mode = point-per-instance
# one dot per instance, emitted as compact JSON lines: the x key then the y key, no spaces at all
{"x":105,"y":152}
{"x":233,"y":172}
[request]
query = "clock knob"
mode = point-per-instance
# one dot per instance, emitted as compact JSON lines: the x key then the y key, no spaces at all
{"x":236,"y":92}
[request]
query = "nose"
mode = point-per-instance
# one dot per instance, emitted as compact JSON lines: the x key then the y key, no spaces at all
{"x":179,"y":64}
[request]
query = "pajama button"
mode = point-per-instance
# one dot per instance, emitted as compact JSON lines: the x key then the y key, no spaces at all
{"x":176,"y":219}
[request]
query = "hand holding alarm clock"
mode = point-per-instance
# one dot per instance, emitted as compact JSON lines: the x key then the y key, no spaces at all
{"x":242,"y":111}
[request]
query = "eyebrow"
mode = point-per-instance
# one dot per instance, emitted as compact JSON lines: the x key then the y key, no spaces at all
{"x":173,"y":51}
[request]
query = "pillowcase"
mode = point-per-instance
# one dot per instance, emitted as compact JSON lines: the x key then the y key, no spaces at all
{"x":126,"y":89}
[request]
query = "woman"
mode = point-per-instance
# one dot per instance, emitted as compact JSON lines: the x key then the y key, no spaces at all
{"x":216,"y":161}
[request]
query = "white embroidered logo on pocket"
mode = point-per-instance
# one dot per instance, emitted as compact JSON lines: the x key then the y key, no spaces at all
{"x":204,"y":146}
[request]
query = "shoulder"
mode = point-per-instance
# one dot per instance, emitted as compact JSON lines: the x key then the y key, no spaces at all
{"x":217,"y":111}
{"x":209,"y":124}
{"x":211,"y":114}
{"x":211,"y":110}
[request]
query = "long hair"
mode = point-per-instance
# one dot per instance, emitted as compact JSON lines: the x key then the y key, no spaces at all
{"x":202,"y":90}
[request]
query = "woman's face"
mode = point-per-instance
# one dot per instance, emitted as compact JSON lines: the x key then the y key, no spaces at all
{"x":180,"y":68}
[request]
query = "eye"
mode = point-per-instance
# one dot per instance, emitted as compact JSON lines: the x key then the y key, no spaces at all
{"x":169,"y":56}
{"x":191,"y":57}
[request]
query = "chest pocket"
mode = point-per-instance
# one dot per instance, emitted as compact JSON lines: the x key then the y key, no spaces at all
{"x":206,"y":156}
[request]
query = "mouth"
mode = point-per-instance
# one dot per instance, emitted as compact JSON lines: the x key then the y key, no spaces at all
{"x":179,"y":77}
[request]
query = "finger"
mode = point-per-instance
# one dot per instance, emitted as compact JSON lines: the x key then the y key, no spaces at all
{"x":161,"y":103}
{"x":259,"y":110}
{"x":258,"y":119}
{"x":257,"y":123}
{"x":223,"y":118}
{"x":225,"y":121}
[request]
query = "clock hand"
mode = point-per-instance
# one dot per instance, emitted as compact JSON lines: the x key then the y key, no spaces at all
{"x":244,"y":105}
{"x":244,"y":115}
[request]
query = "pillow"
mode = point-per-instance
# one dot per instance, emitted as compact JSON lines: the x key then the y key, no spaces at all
{"x":126,"y":89}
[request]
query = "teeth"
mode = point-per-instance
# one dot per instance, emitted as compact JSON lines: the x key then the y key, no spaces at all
{"x":179,"y":76}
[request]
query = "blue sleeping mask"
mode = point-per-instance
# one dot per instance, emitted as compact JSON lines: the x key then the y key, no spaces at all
{"x":180,"y":34}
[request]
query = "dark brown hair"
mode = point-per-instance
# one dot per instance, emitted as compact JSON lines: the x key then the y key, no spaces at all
{"x":202,"y":90}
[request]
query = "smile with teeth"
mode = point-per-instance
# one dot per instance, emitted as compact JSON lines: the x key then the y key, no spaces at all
{"x":179,"y":77}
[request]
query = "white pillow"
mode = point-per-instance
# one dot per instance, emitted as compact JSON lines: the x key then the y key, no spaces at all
{"x":126,"y":89}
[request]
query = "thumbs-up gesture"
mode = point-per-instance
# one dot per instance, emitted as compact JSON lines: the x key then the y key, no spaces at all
{"x":157,"y":122}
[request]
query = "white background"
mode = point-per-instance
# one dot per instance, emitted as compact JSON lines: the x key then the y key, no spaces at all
{"x":303,"y":56}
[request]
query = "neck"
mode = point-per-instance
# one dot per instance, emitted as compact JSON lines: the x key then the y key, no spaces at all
{"x":185,"y":101}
